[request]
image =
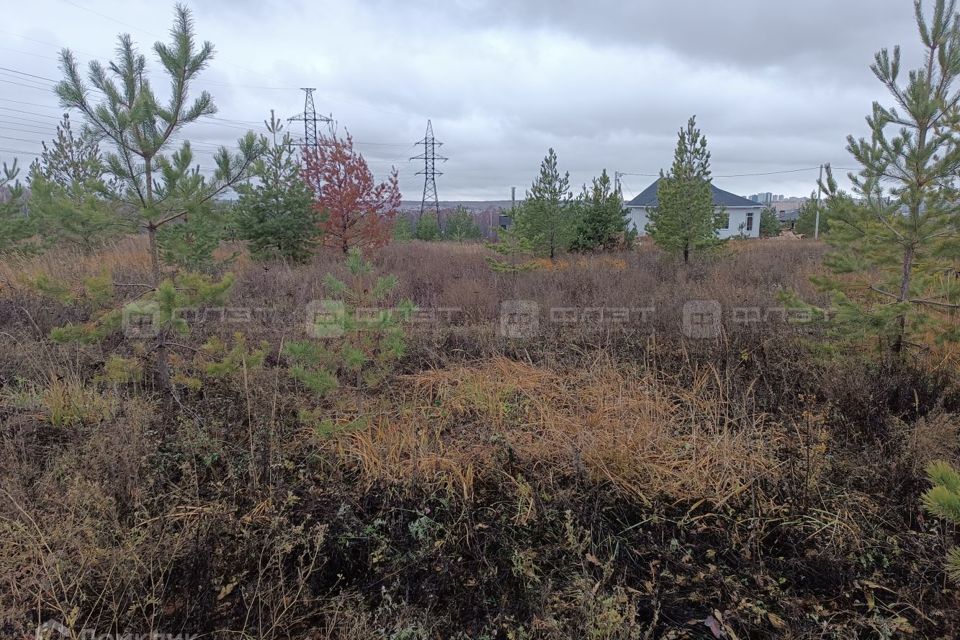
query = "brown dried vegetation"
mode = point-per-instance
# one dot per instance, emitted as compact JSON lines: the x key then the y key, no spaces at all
{"x":600,"y":480}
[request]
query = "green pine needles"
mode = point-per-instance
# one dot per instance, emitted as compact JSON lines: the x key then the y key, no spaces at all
{"x":943,"y":501}
{"x":71,"y":202}
{"x":461,"y":226}
{"x":427,"y":229}
{"x":140,"y":129}
{"x":275,"y":214}
{"x":769,"y":223}
{"x":684,"y":219}
{"x":356,"y":339}
{"x":155,"y":318}
{"x":602,"y":223}
{"x":546,"y":218}
{"x":15,"y":226}
{"x":895,"y":241}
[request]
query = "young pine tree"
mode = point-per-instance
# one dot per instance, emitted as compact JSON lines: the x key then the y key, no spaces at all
{"x":769,"y":223}
{"x":602,"y":222}
{"x":70,"y":200}
{"x":140,"y":128}
{"x":684,"y":219}
{"x":275,"y":214}
{"x":16,"y":228}
{"x":806,"y":224}
{"x":403,"y":229}
{"x":546,"y":217}
{"x":356,"y":340}
{"x":943,"y":500}
{"x":462,"y":226}
{"x":427,"y":228}
{"x":895,"y":244}
{"x":72,"y":161}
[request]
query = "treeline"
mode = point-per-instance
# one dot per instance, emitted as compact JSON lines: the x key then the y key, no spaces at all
{"x":895,"y":249}
{"x":286,"y":203}
{"x":145,"y":181}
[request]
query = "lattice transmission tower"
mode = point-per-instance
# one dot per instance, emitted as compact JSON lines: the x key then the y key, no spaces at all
{"x":310,"y":119}
{"x":430,"y":173}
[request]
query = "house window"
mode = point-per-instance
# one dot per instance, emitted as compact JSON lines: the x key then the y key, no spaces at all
{"x":749,"y":220}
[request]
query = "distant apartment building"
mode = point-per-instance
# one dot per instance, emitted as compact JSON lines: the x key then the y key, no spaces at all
{"x":766,"y":198}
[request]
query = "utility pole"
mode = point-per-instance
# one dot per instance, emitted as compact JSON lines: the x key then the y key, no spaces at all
{"x":816,"y":224}
{"x":310,"y":119}
{"x":430,"y":173}
{"x":513,"y":197}
{"x":616,"y":180}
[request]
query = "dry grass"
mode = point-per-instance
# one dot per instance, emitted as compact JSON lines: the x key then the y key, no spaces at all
{"x":644,"y":435}
{"x":62,"y":401}
{"x":570,"y":485}
{"x":125,"y":258}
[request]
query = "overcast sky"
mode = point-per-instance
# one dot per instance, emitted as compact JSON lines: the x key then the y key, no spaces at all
{"x":776,"y":84}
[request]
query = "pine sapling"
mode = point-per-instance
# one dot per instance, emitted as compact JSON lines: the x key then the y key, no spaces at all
{"x":943,"y":501}
{"x":356,"y":339}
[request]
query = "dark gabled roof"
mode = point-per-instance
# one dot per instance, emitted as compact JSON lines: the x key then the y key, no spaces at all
{"x":721,"y":198}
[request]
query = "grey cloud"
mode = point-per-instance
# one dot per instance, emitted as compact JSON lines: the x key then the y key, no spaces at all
{"x":746,"y":33}
{"x":776,"y":85}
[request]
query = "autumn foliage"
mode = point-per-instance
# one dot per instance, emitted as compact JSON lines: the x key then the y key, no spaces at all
{"x":360,"y":211}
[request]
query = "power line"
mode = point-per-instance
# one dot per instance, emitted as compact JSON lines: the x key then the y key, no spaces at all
{"x":430,"y":173}
{"x":238,"y":124}
{"x":6,"y":126}
{"x":135,"y":28}
{"x":743,"y":175}
{"x":29,"y":113}
{"x":28,"y":86}
{"x":732,"y":175}
{"x":30,"y":104}
{"x":310,"y":119}
{"x":18,"y":139}
{"x":769,"y":173}
{"x":224,"y":122}
{"x":19,"y":151}
{"x":112,"y":19}
{"x":24,"y":73}
{"x":27,"y":53}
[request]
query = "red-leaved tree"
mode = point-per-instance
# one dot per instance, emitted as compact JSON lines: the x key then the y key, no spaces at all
{"x":360,"y":211}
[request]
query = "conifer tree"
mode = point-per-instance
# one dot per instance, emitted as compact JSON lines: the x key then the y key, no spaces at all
{"x":191,"y":244}
{"x":461,"y":226}
{"x":943,"y":500}
{"x":65,"y":216}
{"x":807,"y":218}
{"x":275,"y":214}
{"x":356,"y":340}
{"x":15,"y":226}
{"x":402,"y":230}
{"x":602,"y":221}
{"x":684,"y":219}
{"x":427,"y":229}
{"x":769,"y":222}
{"x":546,"y":218}
{"x":70,"y":200}
{"x":895,"y":243}
{"x":72,"y":161}
{"x":140,"y":128}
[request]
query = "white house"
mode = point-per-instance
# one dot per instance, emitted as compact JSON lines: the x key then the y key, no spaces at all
{"x":743,"y":216}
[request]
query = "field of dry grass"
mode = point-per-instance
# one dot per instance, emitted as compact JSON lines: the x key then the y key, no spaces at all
{"x":607,"y":477}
